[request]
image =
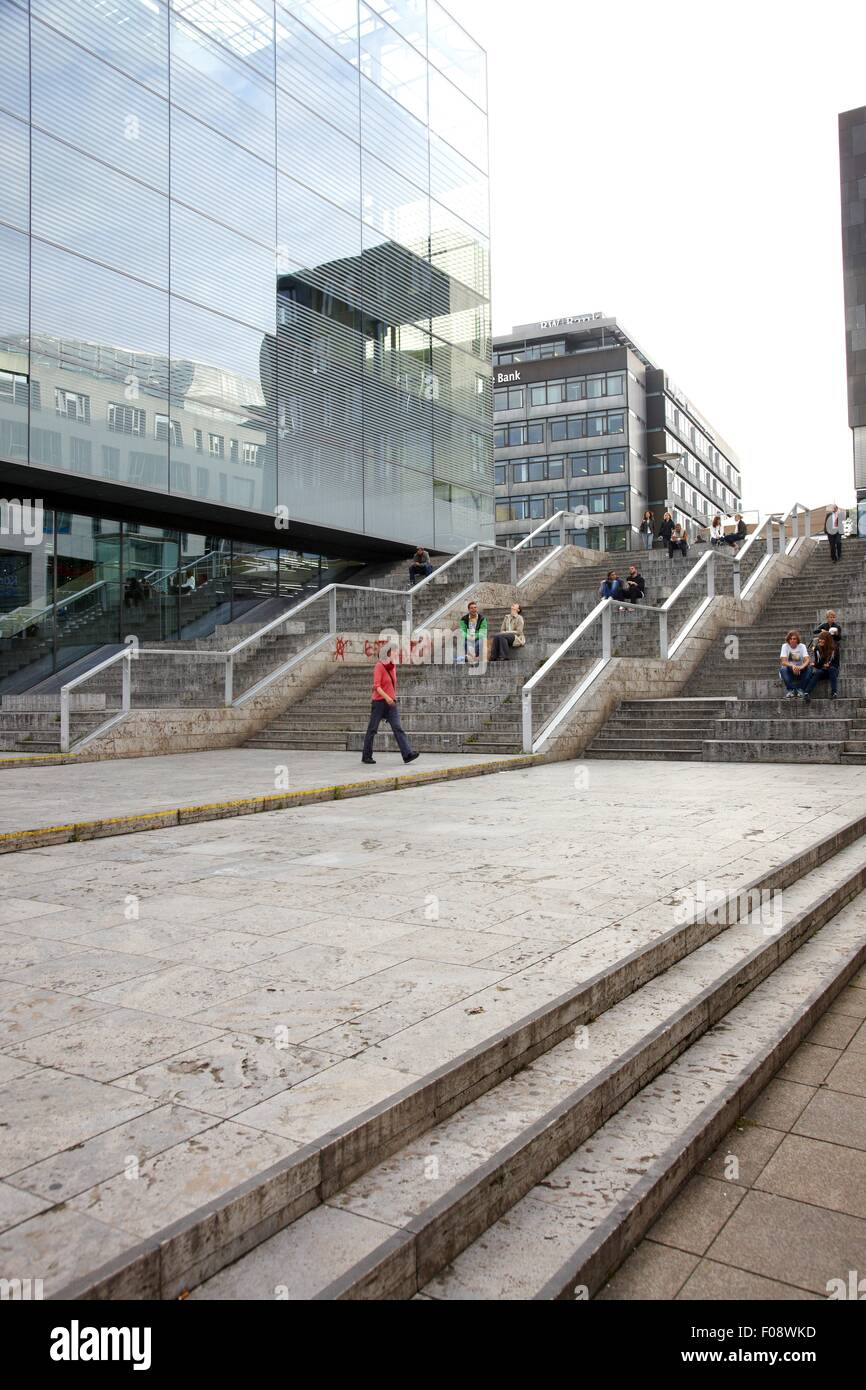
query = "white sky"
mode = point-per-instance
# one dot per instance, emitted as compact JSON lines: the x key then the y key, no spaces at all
{"x":675,"y":164}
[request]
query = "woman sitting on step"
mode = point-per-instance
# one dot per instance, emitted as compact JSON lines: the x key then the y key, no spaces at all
{"x":825,"y":666}
{"x":509,"y":635}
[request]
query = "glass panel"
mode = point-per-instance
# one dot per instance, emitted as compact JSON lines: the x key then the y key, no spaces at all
{"x":221,"y":270}
{"x":321,"y":72}
{"x":133,"y":38}
{"x":86,"y":207}
{"x":149,"y":601}
{"x":100,"y":336}
{"x":458,"y":120}
{"x":456,"y":53}
{"x":99,"y":109}
{"x":15,"y":183}
{"x":88,"y":578}
{"x":26,"y":596}
{"x":218,"y":177}
{"x":392,"y":63}
{"x":215,"y":86}
{"x":14,"y":43}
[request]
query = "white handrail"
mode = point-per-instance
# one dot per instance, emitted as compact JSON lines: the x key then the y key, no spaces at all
{"x":603,"y":610}
{"x":126,"y":656}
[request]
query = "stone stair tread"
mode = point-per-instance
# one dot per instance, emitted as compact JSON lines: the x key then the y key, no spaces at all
{"x":399,"y":1194}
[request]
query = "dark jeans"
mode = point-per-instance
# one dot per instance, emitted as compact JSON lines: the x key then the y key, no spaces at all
{"x":631,"y":593}
{"x":379,"y":710}
{"x":794,"y":680}
{"x":502,"y":644}
{"x":835,"y":546}
{"x":677,"y":545}
{"x":417,"y":572}
{"x":823,"y":673}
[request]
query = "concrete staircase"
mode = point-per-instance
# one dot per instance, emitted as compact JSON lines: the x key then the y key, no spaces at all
{"x":530,"y":1166}
{"x":454,"y":709}
{"x":733,"y":709}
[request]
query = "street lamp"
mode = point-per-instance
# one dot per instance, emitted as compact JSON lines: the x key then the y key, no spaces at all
{"x":678,"y":459}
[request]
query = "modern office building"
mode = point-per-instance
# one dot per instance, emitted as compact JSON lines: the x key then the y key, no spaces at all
{"x":852,"y":162}
{"x":581,"y":418}
{"x":244,"y":304}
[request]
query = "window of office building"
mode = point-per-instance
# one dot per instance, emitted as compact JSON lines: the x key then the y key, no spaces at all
{"x":512,"y":398}
{"x":74,"y":405}
{"x":167,"y":429}
{"x":518,"y":435}
{"x":127,"y":419}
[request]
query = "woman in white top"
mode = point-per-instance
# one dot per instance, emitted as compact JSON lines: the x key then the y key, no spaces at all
{"x":717,"y":531}
{"x":794,"y":664}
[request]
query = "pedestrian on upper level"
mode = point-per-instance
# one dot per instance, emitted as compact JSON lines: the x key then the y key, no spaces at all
{"x":666,"y":529}
{"x":647,"y":530}
{"x":833,"y":525}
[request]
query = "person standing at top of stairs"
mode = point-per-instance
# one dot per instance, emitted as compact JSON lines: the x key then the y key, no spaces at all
{"x":833,"y":530}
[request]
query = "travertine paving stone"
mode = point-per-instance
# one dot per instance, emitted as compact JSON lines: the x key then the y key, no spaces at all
{"x":269,"y":977}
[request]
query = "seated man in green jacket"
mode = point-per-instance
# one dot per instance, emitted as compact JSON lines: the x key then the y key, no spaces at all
{"x":473,"y":630}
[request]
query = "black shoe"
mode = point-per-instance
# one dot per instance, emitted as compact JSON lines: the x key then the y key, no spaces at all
{"x":411,"y":758}
{"x":371,"y":762}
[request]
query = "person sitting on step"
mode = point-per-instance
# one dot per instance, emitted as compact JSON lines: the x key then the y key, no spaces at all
{"x":612,"y":587}
{"x":509,"y":635}
{"x":834,"y":628}
{"x":679,"y":541}
{"x":738,"y":535}
{"x":825,"y":666}
{"x":717,"y":531}
{"x":794,"y":664}
{"x":473,"y":634}
{"x":634,"y":585}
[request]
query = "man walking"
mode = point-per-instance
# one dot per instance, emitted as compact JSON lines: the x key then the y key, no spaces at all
{"x":384,"y":706}
{"x":833,"y":529}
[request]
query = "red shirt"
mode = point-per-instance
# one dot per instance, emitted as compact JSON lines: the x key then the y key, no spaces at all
{"x":385,"y":675}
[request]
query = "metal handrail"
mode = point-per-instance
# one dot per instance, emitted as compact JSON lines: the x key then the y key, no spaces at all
{"x":37,"y":614}
{"x":603,"y":610}
{"x":793,"y":515}
{"x":765,"y":525}
{"x":127,"y":655}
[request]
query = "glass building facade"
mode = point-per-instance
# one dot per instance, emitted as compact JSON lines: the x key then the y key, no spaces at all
{"x":852,"y":166}
{"x":244,"y":279}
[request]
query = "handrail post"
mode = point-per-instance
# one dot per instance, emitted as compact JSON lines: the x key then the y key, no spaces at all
{"x":562,"y":530}
{"x":606,"y":644}
{"x":332,"y":612}
{"x":230,"y":677}
{"x":736,"y":576}
{"x":711,"y":575}
{"x":64,"y":720}
{"x":476,"y":564}
{"x":663,"y":636}
{"x":527,"y":721}
{"x":602,"y":538}
{"x":513,"y":563}
{"x":807,"y":524}
{"x":126,"y":686}
{"x":409,"y":613}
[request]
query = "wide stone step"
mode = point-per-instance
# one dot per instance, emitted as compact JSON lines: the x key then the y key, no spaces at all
{"x":772,"y":751}
{"x":432,"y":1207}
{"x":642,"y":755}
{"x":573,"y":1229}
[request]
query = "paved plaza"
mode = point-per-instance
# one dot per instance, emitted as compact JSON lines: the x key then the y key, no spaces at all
{"x":32,"y":797}
{"x":183,"y":1008}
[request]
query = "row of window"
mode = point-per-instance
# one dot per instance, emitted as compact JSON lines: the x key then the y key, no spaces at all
{"x":139,"y":469}
{"x":537,"y":352}
{"x":571,"y":388}
{"x":591,"y":464}
{"x":558,"y":429}
{"x":594,"y":503}
{"x":122,"y":419}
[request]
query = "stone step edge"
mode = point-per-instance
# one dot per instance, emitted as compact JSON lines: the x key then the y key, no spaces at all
{"x":601,"y":1254}
{"x":401,"y":1267}
{"x":11,"y":841}
{"x":190,"y":1250}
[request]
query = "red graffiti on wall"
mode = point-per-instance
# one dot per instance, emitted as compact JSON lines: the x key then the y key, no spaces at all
{"x":374,"y":648}
{"x":341,"y":645}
